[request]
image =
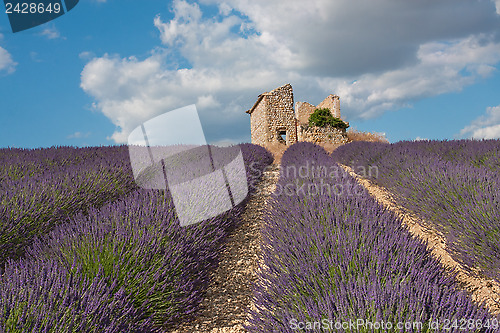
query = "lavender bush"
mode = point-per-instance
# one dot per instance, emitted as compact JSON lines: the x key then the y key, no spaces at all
{"x":479,"y":153}
{"x":43,"y":296}
{"x":452,"y":184}
{"x":341,"y":262}
{"x":42,"y":188}
{"x":139,"y":245}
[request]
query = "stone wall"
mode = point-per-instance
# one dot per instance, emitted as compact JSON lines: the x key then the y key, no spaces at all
{"x":259,"y":124}
{"x":332,"y":102}
{"x":303,"y":111}
{"x":321,"y":134}
{"x":281,"y":115}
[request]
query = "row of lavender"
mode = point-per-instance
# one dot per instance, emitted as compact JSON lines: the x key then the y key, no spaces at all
{"x":20,"y":163}
{"x":44,"y":187}
{"x":335,"y":260}
{"x":126,"y":267}
{"x":455,"y":185}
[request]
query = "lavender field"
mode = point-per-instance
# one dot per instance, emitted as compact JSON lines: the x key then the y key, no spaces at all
{"x":86,"y":250}
{"x":455,"y":185}
{"x":336,"y":260}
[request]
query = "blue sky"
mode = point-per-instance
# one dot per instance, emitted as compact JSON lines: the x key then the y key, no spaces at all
{"x":409,"y":69}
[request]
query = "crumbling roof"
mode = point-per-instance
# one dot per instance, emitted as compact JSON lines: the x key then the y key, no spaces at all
{"x":266,"y":94}
{"x":258,"y":101}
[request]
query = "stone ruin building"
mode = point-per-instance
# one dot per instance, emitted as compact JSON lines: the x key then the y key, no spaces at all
{"x":274,"y":120}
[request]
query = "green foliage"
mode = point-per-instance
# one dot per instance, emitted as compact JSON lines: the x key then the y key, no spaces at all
{"x":323,"y":118}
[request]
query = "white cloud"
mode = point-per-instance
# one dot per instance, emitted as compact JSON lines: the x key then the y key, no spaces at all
{"x":207,"y":101}
{"x":342,"y":37}
{"x":497,"y":4}
{"x":376,"y":55}
{"x":86,"y":55}
{"x":130,"y":91}
{"x":51,"y":33}
{"x":439,"y":69}
{"x":34,"y":56}
{"x":484,"y":127}
{"x":224,"y":9}
{"x":6,"y":63}
{"x":79,"y":135}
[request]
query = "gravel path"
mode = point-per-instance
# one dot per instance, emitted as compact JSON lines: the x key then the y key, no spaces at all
{"x":483,"y":290}
{"x":229,"y":294}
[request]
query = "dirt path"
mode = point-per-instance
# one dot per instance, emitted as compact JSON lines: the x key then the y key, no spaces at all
{"x":481,"y":289}
{"x":229,"y":294}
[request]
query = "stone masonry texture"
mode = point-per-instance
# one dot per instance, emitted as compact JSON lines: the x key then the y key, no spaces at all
{"x":274,"y":120}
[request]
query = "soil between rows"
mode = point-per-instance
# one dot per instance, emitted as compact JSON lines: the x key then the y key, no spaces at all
{"x":229,"y":295}
{"x":482,"y":290}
